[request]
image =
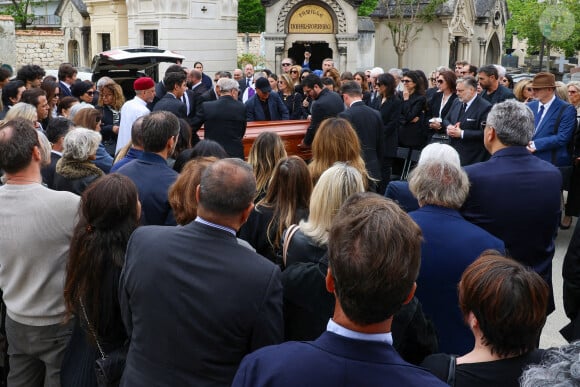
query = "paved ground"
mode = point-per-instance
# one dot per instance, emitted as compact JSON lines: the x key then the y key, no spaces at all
{"x":550,"y":335}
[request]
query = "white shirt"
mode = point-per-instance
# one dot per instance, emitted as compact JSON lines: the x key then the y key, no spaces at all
{"x":130,"y":111}
{"x":333,"y":327}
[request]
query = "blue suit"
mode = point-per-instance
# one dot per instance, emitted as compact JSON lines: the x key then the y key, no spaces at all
{"x":551,"y":142}
{"x":516,"y":197}
{"x":398,"y":190}
{"x":153,"y":177}
{"x":330,"y":360}
{"x":255,"y":112}
{"x":450,"y":244}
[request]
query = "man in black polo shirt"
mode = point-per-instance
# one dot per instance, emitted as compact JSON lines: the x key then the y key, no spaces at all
{"x":492,"y":92}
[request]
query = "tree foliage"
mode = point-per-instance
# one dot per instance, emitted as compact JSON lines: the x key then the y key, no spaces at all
{"x":367,"y":7}
{"x":525,"y":22}
{"x":405,"y":19}
{"x":251,"y":16}
{"x":19,"y":10}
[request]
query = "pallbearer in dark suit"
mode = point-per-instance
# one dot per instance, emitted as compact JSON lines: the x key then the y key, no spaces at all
{"x":196,"y":303}
{"x":356,"y":349}
{"x":463,"y":122}
{"x":224,"y":119}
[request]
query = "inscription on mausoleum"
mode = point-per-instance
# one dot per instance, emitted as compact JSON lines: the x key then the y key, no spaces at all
{"x":311,"y":19}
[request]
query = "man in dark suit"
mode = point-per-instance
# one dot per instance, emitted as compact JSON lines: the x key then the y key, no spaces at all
{"x":265,"y":105}
{"x":325,"y":104}
{"x":55,"y":132}
{"x":514,"y":195}
{"x":248,"y":78}
{"x":463,"y":122}
{"x":368,"y":124}
{"x":150,"y":172}
{"x":356,"y":349}
{"x":224,"y":120}
{"x":67,"y":75}
{"x":160,"y":88}
{"x":175,"y":85}
{"x":195,"y":304}
{"x":194,"y":82}
{"x":549,"y":142}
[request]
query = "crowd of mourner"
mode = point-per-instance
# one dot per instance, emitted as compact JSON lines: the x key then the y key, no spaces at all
{"x":413,"y":248}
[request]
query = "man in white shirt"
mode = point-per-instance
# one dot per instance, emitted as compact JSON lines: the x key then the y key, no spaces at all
{"x":137,"y":107}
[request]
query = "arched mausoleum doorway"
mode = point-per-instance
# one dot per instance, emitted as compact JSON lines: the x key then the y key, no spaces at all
{"x":319,"y":51}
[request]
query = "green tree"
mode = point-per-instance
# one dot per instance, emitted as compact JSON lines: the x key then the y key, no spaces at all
{"x":251,"y":16}
{"x":530,"y":20}
{"x":367,"y":7}
{"x":19,"y":11}
{"x":405,"y":19}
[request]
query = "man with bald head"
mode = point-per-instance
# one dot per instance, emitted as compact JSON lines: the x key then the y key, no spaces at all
{"x":197,"y":303}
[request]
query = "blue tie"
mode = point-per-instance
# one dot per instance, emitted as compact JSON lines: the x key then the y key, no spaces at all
{"x":539,"y":116}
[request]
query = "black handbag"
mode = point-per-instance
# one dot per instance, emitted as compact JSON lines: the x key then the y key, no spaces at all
{"x":109,"y":367}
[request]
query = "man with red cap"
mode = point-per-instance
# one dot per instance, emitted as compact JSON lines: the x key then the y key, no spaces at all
{"x":137,"y":107}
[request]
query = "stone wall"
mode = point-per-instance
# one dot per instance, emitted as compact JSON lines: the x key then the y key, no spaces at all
{"x":252,"y":47}
{"x":42,"y":47}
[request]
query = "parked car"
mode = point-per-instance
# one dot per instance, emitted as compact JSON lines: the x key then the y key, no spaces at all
{"x":124,"y":65}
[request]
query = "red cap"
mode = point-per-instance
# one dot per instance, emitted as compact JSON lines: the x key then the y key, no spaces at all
{"x":143,"y":83}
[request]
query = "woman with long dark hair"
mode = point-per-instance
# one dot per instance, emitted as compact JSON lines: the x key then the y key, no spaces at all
{"x":441,"y":102}
{"x":412,"y":132}
{"x":96,"y":257}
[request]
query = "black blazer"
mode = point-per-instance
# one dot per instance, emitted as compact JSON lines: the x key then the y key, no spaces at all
{"x":470,"y":148}
{"x":49,"y":170}
{"x":195,"y":305}
{"x":224,"y":121}
{"x":390,"y":111}
{"x":368,"y":125}
{"x":434,"y":104}
{"x":413,"y":134}
{"x":328,"y":104}
{"x":171,"y":104}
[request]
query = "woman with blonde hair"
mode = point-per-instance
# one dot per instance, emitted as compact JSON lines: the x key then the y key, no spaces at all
{"x":22,"y":110}
{"x":286,"y":202}
{"x":111,"y":100}
{"x":335,"y":140}
{"x":523,"y":90}
{"x":294,"y":73}
{"x":266,"y":151}
{"x":291,"y":98}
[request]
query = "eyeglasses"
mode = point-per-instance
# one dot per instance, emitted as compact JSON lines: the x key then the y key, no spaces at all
{"x":280,"y":82}
{"x":529,"y":89}
{"x":91,"y":93}
{"x":286,"y":64}
{"x":484,"y":125}
{"x":406,"y":80}
{"x":572,"y":92}
{"x":432,"y":79}
{"x":294,"y":72}
{"x":440,"y":81}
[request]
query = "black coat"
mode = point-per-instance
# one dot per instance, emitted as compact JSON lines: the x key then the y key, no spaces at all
{"x":413,"y":134}
{"x":390,"y":111}
{"x":368,"y":125}
{"x":171,"y":104}
{"x":328,"y":104}
{"x":224,"y":121}
{"x":49,"y":170}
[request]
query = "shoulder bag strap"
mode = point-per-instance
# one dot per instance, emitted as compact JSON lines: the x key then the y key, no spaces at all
{"x":103,"y":356}
{"x":556,"y":128}
{"x":289,"y":234}
{"x":451,"y":373}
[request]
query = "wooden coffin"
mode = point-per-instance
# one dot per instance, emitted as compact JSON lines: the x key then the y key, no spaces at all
{"x":291,"y":131}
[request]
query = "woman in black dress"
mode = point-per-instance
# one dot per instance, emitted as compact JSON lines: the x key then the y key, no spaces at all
{"x":412,"y":131}
{"x":94,"y":265}
{"x":110,"y":101}
{"x":504,"y":304}
{"x":441,"y":102}
{"x":292,"y":99}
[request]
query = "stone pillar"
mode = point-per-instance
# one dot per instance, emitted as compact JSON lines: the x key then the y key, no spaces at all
{"x":342,"y":59}
{"x":8,"y":41}
{"x":466,"y":49}
{"x":279,"y":55}
{"x":482,"y":44}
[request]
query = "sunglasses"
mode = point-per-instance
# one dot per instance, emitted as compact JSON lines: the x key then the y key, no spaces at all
{"x":280,"y":82}
{"x":294,"y":72}
{"x":91,"y":93}
{"x":572,"y":92}
{"x":529,"y":89}
{"x":406,"y":80}
{"x":286,"y":64}
{"x":440,"y":81}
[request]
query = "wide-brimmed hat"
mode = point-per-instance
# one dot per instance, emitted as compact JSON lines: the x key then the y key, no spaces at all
{"x":543,"y":80}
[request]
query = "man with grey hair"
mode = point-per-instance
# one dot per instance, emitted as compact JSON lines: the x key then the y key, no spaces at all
{"x":224,"y":120}
{"x":398,"y":74}
{"x":150,"y":171}
{"x":197,"y":303}
{"x":463,"y":122}
{"x":441,"y":187}
{"x":515,"y":195}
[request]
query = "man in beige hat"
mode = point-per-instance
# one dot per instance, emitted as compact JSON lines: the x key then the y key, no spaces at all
{"x":555,"y":121}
